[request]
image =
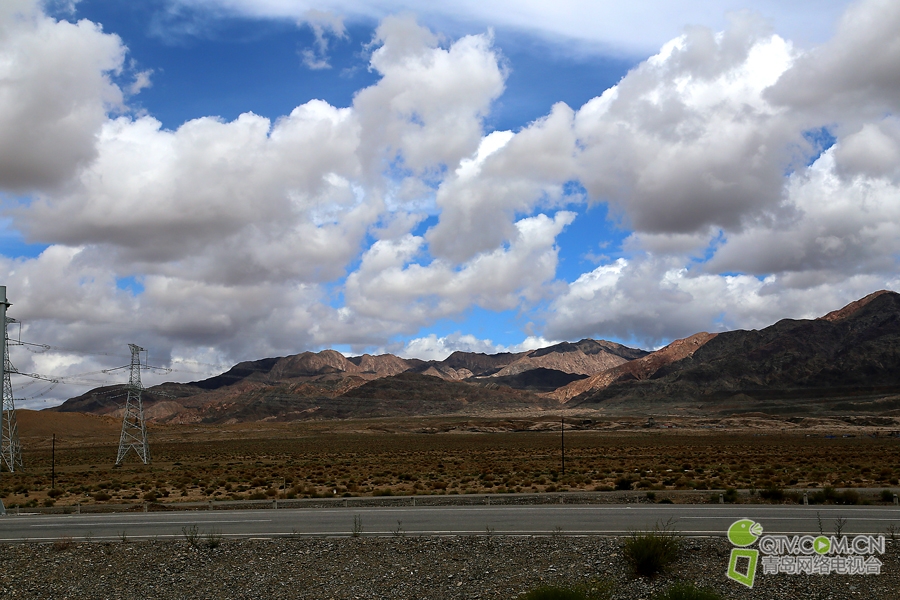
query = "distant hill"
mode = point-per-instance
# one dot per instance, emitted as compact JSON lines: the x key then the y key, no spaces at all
{"x":637,"y":369}
{"x":847,"y":360}
{"x":327,"y":384}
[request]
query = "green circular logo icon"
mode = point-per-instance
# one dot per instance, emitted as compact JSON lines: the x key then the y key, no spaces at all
{"x":822,"y":545}
{"x":744,"y":532}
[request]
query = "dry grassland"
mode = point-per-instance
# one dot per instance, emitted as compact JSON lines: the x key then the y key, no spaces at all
{"x":382,"y":457}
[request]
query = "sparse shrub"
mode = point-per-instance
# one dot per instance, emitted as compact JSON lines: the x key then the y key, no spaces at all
{"x":650,"y":553}
{"x":887,"y":496}
{"x":213,"y":539}
{"x":191,"y":535}
{"x":101,"y":496}
{"x":775,"y":494}
{"x":822,"y":496}
{"x":55,"y":493}
{"x":848,"y":497}
{"x":624,"y":483}
{"x":687,"y":591}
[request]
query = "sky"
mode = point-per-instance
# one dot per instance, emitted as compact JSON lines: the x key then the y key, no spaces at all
{"x":227,"y":180}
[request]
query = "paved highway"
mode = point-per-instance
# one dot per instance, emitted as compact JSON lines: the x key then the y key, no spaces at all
{"x":447,"y":520}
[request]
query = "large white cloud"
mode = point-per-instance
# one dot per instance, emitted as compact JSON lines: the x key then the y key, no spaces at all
{"x":854,"y":75}
{"x":230,"y":202}
{"x":427,"y":109}
{"x":391,"y":284}
{"x":649,"y":301}
{"x":686,"y":141}
{"x":509,"y":176}
{"x":840,"y":226}
{"x":55,"y":92}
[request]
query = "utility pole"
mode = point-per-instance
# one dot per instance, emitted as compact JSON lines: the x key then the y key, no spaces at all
{"x":53,"y":464}
{"x":562,"y":441}
{"x":134,"y":430}
{"x":10,"y":449}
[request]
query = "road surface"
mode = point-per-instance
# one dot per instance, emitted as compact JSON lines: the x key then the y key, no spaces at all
{"x":697,"y":520}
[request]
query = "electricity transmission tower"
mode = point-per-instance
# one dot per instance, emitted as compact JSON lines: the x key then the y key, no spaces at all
{"x":10,"y":449}
{"x":134,"y":429}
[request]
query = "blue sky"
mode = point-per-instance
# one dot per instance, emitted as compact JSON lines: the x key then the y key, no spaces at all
{"x":221,"y":180}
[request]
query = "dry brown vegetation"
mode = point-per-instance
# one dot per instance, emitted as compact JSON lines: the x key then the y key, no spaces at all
{"x":383,"y":457}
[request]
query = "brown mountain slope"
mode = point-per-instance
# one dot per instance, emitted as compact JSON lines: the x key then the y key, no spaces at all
{"x":402,"y":395}
{"x":586,"y":357}
{"x":848,"y":361}
{"x":850,"y":309}
{"x":850,"y":356}
{"x":306,"y":385}
{"x":412,"y":393}
{"x":641,"y":368}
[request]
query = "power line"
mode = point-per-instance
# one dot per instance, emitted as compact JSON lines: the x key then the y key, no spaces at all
{"x":41,"y":393}
{"x":10,"y":449}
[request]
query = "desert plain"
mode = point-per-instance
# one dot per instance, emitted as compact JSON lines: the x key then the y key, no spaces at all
{"x":680,"y":459}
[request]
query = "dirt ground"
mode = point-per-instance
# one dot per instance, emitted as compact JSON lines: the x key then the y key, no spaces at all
{"x":458,"y":455}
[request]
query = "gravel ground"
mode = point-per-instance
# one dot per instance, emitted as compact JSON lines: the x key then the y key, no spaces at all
{"x":391,"y":567}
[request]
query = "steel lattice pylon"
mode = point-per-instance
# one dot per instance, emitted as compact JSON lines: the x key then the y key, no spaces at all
{"x":10,"y":449}
{"x":134,"y":430}
{"x":9,"y":445}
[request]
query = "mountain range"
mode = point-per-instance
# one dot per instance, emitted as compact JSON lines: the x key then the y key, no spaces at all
{"x":847,"y":360}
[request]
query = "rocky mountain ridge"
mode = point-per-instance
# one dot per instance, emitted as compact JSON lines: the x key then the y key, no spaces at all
{"x":327,"y":384}
{"x":848,"y":359}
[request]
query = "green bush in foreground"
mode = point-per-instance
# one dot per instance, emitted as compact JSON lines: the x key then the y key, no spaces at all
{"x":686,"y":591}
{"x":652,"y":552}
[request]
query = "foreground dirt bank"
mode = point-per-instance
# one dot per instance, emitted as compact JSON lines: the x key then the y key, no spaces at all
{"x":395,"y":567}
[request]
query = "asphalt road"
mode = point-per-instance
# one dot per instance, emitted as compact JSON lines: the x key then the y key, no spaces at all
{"x":702,"y":520}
